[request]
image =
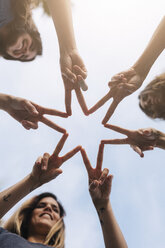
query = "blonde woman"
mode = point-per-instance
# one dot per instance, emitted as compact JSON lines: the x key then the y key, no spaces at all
{"x":39,"y":222}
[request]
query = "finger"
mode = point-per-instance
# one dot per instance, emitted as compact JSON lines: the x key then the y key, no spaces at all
{"x":93,"y":185}
{"x":138,"y":150}
{"x":149,"y":148}
{"x":82,"y":83}
{"x":80,"y":71}
{"x":51,"y":124}
{"x":60,"y":145}
{"x":113,"y":83}
{"x":100,"y":157}
{"x":81,"y":101}
{"x":55,"y":112}
{"x":118,"y":129}
{"x":69,"y":75}
{"x":45,"y":160}
{"x":100,"y":103}
{"x":116,"y":141}
{"x":68,"y":98}
{"x":38,"y":161}
{"x":110,"y":111}
{"x":30,"y":108}
{"x":28,"y":124}
{"x":86,"y":160}
{"x":104,"y":175}
{"x":70,"y":154}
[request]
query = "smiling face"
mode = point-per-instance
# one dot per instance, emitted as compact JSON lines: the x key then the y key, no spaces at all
{"x":44,"y":216}
{"x":23,"y":48}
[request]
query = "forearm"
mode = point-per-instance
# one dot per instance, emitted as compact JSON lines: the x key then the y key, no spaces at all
{"x":10,"y":196}
{"x":62,"y":17}
{"x":152,"y":51}
{"x":113,"y":236}
{"x":4,"y":101}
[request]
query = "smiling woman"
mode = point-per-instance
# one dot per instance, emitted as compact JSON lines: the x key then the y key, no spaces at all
{"x":20,"y":39}
{"x":39,"y":220}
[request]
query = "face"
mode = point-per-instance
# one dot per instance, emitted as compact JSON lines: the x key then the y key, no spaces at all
{"x":23,"y":48}
{"x":45,"y":215}
{"x":150,"y":102}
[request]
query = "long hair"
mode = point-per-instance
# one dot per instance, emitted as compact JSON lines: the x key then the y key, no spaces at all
{"x":22,"y":23}
{"x":19,"y":221}
{"x":156,"y":88}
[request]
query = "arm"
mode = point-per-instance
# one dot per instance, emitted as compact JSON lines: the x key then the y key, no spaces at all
{"x":71,"y":63}
{"x":100,"y":187}
{"x":152,"y":51}
{"x":45,"y":169}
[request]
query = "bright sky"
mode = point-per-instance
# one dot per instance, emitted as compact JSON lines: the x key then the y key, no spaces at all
{"x":110,"y":36}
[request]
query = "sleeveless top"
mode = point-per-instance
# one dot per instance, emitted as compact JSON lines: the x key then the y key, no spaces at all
{"x":6,"y":14}
{"x":12,"y":240}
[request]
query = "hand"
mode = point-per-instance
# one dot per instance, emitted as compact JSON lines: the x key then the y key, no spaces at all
{"x":29,"y":114}
{"x":73,"y":71}
{"x":99,"y":180}
{"x":140,"y":140}
{"x":47,"y":167}
{"x":121,"y":85}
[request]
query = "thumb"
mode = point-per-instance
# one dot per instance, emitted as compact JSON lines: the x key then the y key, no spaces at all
{"x":30,"y":108}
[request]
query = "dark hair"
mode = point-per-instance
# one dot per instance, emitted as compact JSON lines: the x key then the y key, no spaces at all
{"x":156,"y":88}
{"x":22,"y":23}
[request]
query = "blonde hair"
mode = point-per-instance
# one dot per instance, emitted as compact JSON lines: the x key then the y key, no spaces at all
{"x":18,"y":222}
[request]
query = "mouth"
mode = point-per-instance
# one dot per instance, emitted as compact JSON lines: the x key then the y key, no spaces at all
{"x":48,"y":214}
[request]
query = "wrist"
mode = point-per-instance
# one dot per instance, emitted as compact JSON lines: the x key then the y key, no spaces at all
{"x":5,"y":101}
{"x":101,"y":204}
{"x":67,"y":50}
{"x":161,"y":140}
{"x":33,"y":182}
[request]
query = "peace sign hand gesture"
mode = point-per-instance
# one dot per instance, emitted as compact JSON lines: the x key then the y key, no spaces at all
{"x":140,"y":140}
{"x":29,"y":114}
{"x":47,"y":167}
{"x":99,"y":180}
{"x":121,"y":85}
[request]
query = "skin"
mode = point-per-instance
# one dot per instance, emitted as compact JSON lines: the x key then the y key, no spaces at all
{"x":29,"y":113}
{"x":140,"y":140}
{"x":44,"y":217}
{"x":45,"y":169}
{"x":72,"y":65}
{"x":23,"y":48}
{"x":100,"y":182}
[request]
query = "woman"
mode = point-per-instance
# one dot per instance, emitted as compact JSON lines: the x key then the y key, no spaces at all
{"x":19,"y":37}
{"x":20,"y":40}
{"x":39,"y":221}
{"x":152,"y":98}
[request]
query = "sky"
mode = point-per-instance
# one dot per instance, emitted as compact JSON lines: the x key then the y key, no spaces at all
{"x":110,"y":37}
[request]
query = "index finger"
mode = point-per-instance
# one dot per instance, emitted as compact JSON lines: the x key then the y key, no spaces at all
{"x":110,"y":111}
{"x":118,"y":129}
{"x":100,"y":157}
{"x":49,"y":111}
{"x":81,"y":101}
{"x":60,"y":145}
{"x":70,"y":154}
{"x":86,"y":160}
{"x":51,"y":124}
{"x":101,"y":102}
{"x":68,"y":98}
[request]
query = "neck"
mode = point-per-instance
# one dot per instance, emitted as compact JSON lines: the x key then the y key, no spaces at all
{"x":37,"y":239}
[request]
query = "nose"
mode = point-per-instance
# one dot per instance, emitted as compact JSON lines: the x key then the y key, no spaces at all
{"x":48,"y":208}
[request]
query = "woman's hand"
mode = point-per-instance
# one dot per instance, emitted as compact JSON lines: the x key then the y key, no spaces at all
{"x":29,"y":113}
{"x":47,"y":167}
{"x":73,"y":72}
{"x":99,"y":180}
{"x":140,"y":140}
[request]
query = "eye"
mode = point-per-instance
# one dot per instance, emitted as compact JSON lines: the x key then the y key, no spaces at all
{"x":56,"y":210}
{"x":41,"y":205}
